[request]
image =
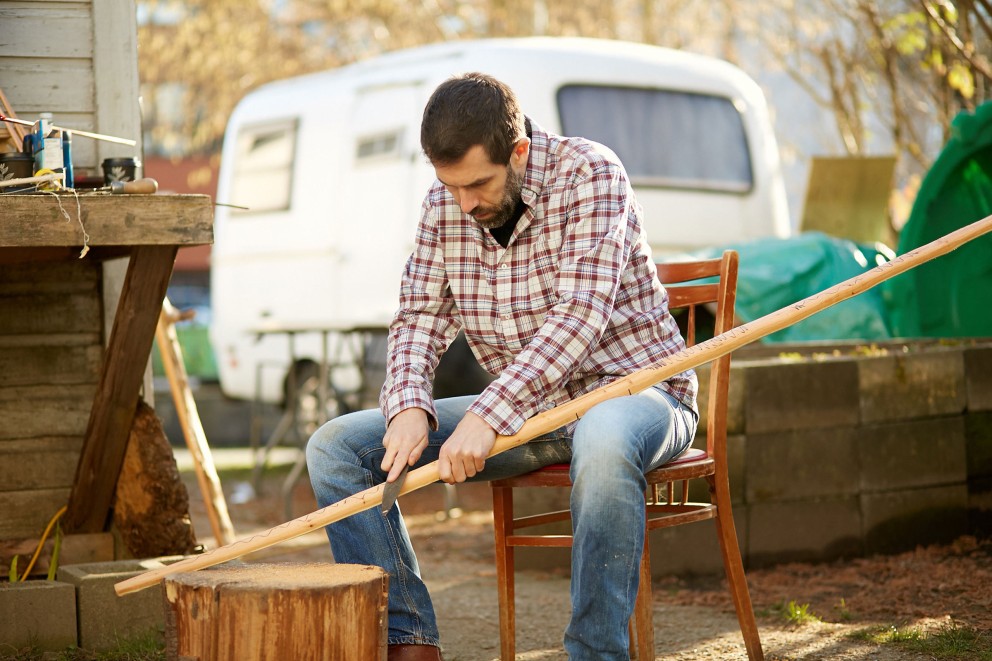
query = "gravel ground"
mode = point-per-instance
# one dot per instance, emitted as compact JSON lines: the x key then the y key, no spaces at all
{"x":693,"y":618}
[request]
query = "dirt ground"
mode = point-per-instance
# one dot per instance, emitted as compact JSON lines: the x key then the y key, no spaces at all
{"x":929,"y":588}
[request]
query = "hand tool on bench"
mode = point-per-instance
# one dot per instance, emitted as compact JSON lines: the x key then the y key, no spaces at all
{"x":146,"y":186}
{"x":557,"y":417}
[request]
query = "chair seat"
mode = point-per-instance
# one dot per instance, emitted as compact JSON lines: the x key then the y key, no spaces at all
{"x":557,"y":474}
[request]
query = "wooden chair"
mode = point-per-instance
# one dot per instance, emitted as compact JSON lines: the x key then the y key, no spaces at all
{"x":665,"y":507}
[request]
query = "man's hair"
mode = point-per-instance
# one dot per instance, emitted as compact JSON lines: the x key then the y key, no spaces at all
{"x":468,"y":110}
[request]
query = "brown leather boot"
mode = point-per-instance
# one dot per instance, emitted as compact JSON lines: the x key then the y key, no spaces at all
{"x":413,"y":653}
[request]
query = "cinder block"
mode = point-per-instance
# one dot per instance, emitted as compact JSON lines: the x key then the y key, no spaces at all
{"x":735,"y":397}
{"x":912,"y":385}
{"x":736,"y":450}
{"x":980,"y":509}
{"x":803,"y":530}
{"x":703,"y":394}
{"x":978,"y":440}
{"x":907,"y":455}
{"x":528,"y":501}
{"x":978,"y":377}
{"x":103,"y":618}
{"x":802,"y":395}
{"x":694,"y":548}
{"x":39,"y":614}
{"x":801,"y":465}
{"x":897,"y":521}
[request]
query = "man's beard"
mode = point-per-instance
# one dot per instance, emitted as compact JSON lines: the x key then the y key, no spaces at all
{"x":507,"y":206}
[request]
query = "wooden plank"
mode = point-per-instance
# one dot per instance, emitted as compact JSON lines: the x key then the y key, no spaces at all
{"x":73,"y":313}
{"x":58,"y":86}
{"x":28,"y":366}
{"x":46,"y":392}
{"x":75,"y":275}
{"x":29,"y":412}
{"x":76,"y":549}
{"x":61,"y":32}
{"x":39,"y":463}
{"x":49,"y":340}
{"x":110,"y":220}
{"x":114,"y":406}
{"x":848,"y":197}
{"x":115,"y":48}
{"x":26,"y":513}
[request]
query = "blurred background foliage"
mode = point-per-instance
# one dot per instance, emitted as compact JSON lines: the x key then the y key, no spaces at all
{"x":896,"y":70}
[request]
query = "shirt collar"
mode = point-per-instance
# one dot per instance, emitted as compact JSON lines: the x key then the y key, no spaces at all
{"x":537,"y":163}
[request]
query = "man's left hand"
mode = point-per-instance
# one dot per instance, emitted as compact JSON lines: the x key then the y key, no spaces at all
{"x":464,"y":453}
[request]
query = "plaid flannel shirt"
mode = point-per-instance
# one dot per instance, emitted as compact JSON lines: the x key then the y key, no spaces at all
{"x":572,"y":303}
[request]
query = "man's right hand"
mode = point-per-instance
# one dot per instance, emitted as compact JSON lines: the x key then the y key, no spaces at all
{"x":405,"y":440}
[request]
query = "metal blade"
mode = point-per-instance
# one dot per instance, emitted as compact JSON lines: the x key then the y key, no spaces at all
{"x":392,"y":490}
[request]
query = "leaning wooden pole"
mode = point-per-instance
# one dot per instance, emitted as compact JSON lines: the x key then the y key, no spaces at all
{"x":550,"y":420}
{"x":189,"y":419}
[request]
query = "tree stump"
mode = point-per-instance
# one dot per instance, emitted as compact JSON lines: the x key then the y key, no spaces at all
{"x":277,"y":611}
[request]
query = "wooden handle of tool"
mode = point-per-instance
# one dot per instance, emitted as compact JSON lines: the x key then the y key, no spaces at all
{"x":146,"y":186}
{"x":550,"y":420}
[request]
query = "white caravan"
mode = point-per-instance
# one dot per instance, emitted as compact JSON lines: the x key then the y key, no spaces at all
{"x":330,"y":168}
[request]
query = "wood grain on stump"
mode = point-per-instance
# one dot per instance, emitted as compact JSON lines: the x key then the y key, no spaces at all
{"x":319,"y":611}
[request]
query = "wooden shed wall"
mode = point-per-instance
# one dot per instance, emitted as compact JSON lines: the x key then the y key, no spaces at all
{"x":51,"y":349}
{"x":77,"y":60}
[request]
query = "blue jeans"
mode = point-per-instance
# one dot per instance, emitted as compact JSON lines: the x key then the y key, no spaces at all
{"x":610,"y":449}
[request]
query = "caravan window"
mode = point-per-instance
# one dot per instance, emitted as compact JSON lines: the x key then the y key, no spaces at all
{"x":665,"y":138}
{"x":263,"y":166}
{"x":380,"y":145}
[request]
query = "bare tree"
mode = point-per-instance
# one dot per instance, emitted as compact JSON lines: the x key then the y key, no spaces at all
{"x":908,"y":65}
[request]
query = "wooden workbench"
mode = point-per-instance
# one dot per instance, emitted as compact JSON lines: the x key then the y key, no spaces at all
{"x":60,"y":364}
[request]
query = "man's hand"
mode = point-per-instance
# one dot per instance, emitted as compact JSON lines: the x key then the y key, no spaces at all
{"x":405,"y":440}
{"x":464,"y":453}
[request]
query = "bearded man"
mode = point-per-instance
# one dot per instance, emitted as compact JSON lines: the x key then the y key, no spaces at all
{"x":533,"y":244}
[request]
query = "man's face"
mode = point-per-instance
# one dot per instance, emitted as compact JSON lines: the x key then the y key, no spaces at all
{"x":487,"y":191}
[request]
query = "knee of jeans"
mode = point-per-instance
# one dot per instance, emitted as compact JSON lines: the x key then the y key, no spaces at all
{"x":601,"y":450}
{"x":324,"y":444}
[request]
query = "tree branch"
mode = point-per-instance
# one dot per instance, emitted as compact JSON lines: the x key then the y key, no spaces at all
{"x":980,"y":65}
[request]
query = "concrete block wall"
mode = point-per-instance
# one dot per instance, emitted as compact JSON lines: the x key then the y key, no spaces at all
{"x":855,"y":454}
{"x":841,"y":454}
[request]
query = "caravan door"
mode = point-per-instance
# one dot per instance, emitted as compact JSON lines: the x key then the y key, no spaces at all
{"x":374,"y":238}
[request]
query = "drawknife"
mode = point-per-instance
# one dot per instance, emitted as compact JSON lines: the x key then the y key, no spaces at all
{"x":392,"y":489}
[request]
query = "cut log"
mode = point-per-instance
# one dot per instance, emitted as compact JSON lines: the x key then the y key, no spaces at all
{"x":151,"y":508}
{"x":318,"y":611}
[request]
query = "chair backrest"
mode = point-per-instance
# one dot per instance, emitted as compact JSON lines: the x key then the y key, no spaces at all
{"x":680,"y":279}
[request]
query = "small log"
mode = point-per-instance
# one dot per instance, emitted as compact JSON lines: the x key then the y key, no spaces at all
{"x":151,"y":508}
{"x":318,"y":611}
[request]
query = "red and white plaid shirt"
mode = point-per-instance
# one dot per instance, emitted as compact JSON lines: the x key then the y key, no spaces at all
{"x":572,"y":303}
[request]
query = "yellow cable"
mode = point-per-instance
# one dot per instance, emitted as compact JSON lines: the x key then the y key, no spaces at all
{"x":37,"y":552}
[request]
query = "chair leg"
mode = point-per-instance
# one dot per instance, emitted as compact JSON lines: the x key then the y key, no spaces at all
{"x":643,"y":619}
{"x":503,"y":522}
{"x":734,"y":566}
